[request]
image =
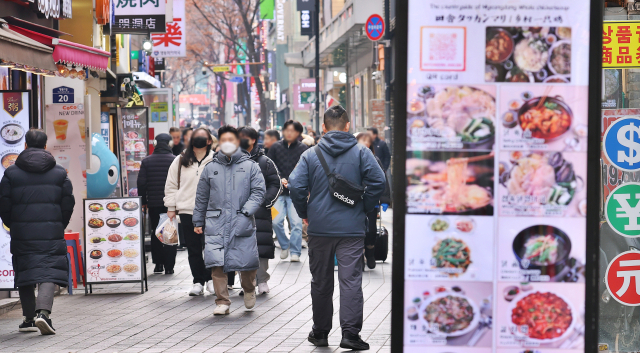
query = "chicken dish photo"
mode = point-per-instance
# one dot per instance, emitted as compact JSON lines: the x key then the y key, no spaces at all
{"x":544,"y":315}
{"x":449,"y":314}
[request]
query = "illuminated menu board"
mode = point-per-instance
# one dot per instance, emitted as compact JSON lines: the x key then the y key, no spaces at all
{"x":496,"y":171}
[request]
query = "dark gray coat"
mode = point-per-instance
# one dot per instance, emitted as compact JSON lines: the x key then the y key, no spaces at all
{"x":309,"y":186}
{"x":228,"y":191}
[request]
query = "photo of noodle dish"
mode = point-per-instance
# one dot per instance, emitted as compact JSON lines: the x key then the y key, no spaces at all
{"x":449,"y":314}
{"x":541,"y":183}
{"x":451,"y":117}
{"x":528,"y":54}
{"x":450,"y":183}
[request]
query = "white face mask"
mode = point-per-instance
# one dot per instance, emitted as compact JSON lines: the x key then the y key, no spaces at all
{"x":228,"y":148}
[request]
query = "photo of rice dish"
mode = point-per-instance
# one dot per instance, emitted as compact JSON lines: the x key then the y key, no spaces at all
{"x":96,"y":223}
{"x":12,"y":133}
{"x":95,"y":207}
{"x":131,"y":253}
{"x":132,"y":237}
{"x":130,"y":206}
{"x":114,"y":253}
{"x":131,"y":268}
{"x":130,"y":222}
{"x":113,"y":268}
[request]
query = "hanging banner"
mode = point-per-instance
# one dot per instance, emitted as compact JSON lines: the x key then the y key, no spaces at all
{"x":65,"y":127}
{"x":266,"y":9}
{"x":496,"y":173}
{"x":173,"y":42}
{"x":136,"y":16}
{"x":283,"y":22}
{"x":14,"y":124}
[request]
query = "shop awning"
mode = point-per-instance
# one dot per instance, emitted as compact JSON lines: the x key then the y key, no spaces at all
{"x":20,"y":49}
{"x":68,"y":52}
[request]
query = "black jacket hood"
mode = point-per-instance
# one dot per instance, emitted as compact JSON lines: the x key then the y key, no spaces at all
{"x":35,"y":160}
{"x":336,"y":143}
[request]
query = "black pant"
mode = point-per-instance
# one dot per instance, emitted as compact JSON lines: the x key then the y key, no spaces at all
{"x":372,"y":232}
{"x":195,"y":246}
{"x":161,"y":254}
{"x":29,"y":301}
{"x":348,"y":251}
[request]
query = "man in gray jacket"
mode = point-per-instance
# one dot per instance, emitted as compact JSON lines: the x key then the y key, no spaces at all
{"x":230,"y":192}
{"x":335,"y":228}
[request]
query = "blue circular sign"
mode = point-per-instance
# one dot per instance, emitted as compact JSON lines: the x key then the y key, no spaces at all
{"x":375,"y":27}
{"x":621,"y":144}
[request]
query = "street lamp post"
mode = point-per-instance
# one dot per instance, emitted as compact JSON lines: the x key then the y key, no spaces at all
{"x":316,"y":30}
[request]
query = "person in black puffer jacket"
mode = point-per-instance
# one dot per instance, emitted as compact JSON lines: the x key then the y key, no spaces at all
{"x":36,"y":203}
{"x":264,"y":230}
{"x":151,"y":182}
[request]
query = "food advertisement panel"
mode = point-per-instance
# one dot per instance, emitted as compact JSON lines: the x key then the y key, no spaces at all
{"x":114,"y":240}
{"x":496,"y":174}
{"x":135,"y":128}
{"x":449,"y":313}
{"x":66,"y":133}
{"x":14,"y":124}
{"x":545,"y":315}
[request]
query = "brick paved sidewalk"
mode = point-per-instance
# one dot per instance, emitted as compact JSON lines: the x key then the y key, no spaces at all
{"x":117,"y":318}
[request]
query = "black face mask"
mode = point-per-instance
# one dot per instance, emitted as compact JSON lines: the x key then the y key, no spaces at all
{"x":199,"y":142}
{"x":244,"y":144}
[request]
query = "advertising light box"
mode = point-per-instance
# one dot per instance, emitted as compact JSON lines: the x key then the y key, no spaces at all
{"x":495,"y":229}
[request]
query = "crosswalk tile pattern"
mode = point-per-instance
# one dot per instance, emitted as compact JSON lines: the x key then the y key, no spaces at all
{"x":117,"y":318}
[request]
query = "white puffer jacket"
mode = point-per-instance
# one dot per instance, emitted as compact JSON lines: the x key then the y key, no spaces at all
{"x":183,"y":200}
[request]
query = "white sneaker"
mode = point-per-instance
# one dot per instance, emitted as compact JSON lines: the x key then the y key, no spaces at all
{"x":197,"y":289}
{"x":210,"y":288}
{"x":221,"y":310}
{"x":229,"y":287}
{"x":263,"y":288}
{"x":295,"y":258}
{"x":284,"y":254}
{"x":249,"y":300}
{"x":304,"y":244}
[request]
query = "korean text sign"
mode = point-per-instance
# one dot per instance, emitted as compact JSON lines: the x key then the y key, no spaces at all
{"x":620,"y":45}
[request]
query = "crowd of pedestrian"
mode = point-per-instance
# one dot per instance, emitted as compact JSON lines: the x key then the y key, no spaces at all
{"x":230,"y":194}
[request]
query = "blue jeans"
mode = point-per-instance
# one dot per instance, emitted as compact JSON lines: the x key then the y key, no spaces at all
{"x":285,"y":208}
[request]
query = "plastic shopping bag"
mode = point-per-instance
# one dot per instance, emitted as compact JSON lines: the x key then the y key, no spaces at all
{"x":167,"y":231}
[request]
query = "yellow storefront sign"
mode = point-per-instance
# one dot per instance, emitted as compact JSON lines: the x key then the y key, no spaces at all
{"x":221,"y":68}
{"x":621,"y":45}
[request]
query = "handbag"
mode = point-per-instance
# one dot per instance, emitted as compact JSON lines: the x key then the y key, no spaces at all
{"x":341,"y":188}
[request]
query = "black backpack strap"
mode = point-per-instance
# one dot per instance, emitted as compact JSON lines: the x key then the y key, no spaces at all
{"x":322,"y":160}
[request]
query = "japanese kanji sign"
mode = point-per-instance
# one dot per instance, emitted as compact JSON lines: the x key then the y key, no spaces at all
{"x":620,"y":45}
{"x":172,"y":43}
{"x":132,"y":16}
{"x":623,"y":278}
{"x":623,"y":210}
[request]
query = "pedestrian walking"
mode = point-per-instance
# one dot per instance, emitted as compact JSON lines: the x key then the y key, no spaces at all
{"x":180,"y":199}
{"x":230,"y":192}
{"x":186,"y":135}
{"x":337,"y":223}
{"x":176,"y":136}
{"x":36,"y":203}
{"x":381,"y":148}
{"x":270,"y":137}
{"x":286,"y":154}
{"x":372,"y":217}
{"x":152,"y":179}
{"x":273,"y":185}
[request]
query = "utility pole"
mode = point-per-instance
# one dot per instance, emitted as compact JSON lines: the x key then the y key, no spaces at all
{"x":316,"y":30}
{"x":387,"y":71}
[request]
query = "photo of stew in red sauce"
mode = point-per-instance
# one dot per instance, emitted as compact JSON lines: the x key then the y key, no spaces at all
{"x":543,"y":315}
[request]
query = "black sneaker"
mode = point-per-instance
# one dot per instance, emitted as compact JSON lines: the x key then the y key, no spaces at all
{"x":27,"y":326}
{"x":159,"y":269}
{"x":168,"y":272}
{"x":353,"y":342}
{"x":44,"y":324}
{"x":370,"y":255}
{"x":319,"y":339}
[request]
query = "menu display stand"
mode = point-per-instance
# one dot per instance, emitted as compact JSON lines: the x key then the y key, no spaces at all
{"x":114,"y":242}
